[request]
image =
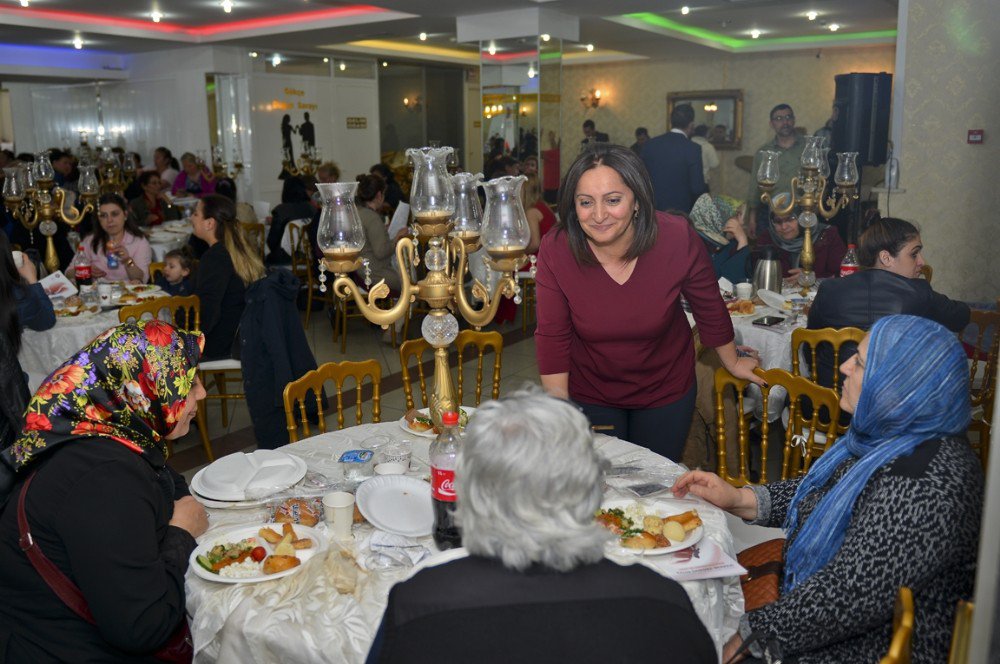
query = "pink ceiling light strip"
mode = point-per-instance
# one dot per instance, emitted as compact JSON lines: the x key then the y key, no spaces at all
{"x":286,"y":19}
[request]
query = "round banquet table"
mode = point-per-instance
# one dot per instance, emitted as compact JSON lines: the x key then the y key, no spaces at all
{"x":168,"y":236}
{"x":304,"y":618}
{"x":42,"y":352}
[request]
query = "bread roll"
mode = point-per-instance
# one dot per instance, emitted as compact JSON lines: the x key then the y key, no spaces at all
{"x":275,"y":564}
{"x":296,"y":510}
{"x":643,"y":540}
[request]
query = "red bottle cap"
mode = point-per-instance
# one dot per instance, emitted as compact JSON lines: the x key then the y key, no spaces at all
{"x":449,"y":418}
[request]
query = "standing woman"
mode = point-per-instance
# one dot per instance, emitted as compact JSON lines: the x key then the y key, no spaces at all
{"x":612,"y":334}
{"x":116,"y":235}
{"x":224,"y":271}
{"x":193,"y":180}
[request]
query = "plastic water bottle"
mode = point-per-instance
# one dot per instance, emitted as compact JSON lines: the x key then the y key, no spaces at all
{"x":849,"y":265}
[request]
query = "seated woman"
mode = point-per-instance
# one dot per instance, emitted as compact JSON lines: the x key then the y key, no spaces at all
{"x":224,"y":271}
{"x":379,"y":247}
{"x":151,"y":207}
{"x":718,"y":222}
{"x":115,"y":521}
{"x":535,"y":586}
{"x":896,"y":502}
{"x":785,"y":233}
{"x":540,"y":216}
{"x":193,"y":180}
{"x":890,"y":251}
{"x":296,"y":203}
{"x":116,"y":235}
{"x":19,"y":287}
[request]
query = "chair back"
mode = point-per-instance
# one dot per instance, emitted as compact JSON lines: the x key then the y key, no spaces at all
{"x":927,"y":272}
{"x":414,"y":348}
{"x":302,"y":258}
{"x":183,"y":311}
{"x":807,"y":343}
{"x":959,"y":651}
{"x":256,"y":235}
{"x":805,"y":437}
{"x":297,"y":392}
{"x":155,"y":270}
{"x":902,"y":629}
{"x":983,"y":377}
{"x":481,"y":341}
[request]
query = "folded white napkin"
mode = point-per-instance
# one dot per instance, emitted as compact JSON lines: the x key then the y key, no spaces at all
{"x":396,"y":548}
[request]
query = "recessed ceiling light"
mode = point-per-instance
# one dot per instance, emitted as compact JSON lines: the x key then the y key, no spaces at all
{"x":546,"y":37}
{"x":326,"y":59}
{"x":685,"y":10}
{"x":78,"y":42}
{"x":253,"y":54}
{"x":492,"y":50}
{"x":812,"y":16}
{"x":754,"y":34}
{"x":227,"y":6}
{"x":24,"y":3}
{"x":343,"y":66}
{"x":590,"y":48}
{"x":834,"y":27}
{"x":275,"y":59}
{"x":423,"y":36}
{"x":385,"y":64}
{"x":156,"y":16}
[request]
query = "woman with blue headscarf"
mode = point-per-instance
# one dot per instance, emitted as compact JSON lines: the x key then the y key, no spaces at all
{"x":896,"y":502}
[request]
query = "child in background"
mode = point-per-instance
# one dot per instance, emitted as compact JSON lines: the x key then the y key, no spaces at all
{"x":178,"y":265}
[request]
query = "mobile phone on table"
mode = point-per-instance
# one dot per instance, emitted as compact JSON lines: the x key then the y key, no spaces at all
{"x":768,"y":321}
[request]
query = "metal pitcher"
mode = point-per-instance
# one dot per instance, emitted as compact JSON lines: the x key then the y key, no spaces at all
{"x":767,"y":272}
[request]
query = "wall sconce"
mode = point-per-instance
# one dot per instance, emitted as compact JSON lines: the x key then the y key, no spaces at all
{"x":591,"y":99}
{"x":412,"y":103}
{"x":711,"y":107}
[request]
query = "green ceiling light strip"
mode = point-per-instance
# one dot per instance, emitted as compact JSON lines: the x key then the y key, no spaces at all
{"x":734,"y":43}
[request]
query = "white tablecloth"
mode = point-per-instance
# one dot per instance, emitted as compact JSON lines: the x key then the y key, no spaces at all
{"x":775,"y":347}
{"x":42,"y":352}
{"x":167,"y":237}
{"x":303,"y":618}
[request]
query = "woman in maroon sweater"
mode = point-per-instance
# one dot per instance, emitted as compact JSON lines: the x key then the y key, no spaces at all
{"x":612,"y":334}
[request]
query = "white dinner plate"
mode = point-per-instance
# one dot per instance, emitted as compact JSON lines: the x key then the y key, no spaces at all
{"x":755,"y":313}
{"x":772,"y":299}
{"x":397,"y":504}
{"x":319,"y":544}
{"x":144,"y":289}
{"x":239,"y":476}
{"x":183,"y":200}
{"x":405,"y":426}
{"x":655,"y":509}
{"x":222,"y":504}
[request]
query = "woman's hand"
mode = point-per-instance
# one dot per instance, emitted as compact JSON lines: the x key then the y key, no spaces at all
{"x":27,"y":270}
{"x":714,"y":489}
{"x":732,"y":645}
{"x":741,"y":367}
{"x":734,"y":228}
{"x":793,"y":275}
{"x":190,"y":516}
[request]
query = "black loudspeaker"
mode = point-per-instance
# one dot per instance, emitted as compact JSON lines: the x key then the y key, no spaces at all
{"x":861,"y":124}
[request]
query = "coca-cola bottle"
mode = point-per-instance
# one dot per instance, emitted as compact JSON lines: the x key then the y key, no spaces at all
{"x":82,"y":272}
{"x":849,"y":265}
{"x":444,"y":455}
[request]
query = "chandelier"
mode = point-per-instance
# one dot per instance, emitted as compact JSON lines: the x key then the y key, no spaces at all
{"x":309,"y":161}
{"x":221,"y":168}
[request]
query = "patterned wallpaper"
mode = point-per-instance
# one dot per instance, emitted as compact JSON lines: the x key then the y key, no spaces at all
{"x":952,"y":191}
{"x":635,"y":94}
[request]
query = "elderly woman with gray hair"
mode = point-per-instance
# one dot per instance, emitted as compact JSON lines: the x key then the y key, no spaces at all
{"x":535,"y":585}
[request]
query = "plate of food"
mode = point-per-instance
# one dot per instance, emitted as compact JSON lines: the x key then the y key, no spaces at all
{"x":142,"y":288}
{"x":418,"y":422}
{"x":649,"y":530}
{"x":741,"y":308}
{"x":252,"y":554}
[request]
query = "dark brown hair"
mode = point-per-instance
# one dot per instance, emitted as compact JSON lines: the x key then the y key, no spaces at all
{"x":633,"y":172}
{"x":885,"y":234}
{"x":369,"y":186}
{"x":185,"y":257}
{"x":101,"y":236}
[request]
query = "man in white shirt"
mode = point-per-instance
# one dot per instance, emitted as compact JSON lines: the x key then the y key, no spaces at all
{"x":709,"y":157}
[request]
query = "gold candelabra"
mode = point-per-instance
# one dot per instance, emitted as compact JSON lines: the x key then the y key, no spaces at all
{"x":32,"y":198}
{"x":113,"y":174}
{"x":309,"y":161}
{"x":807,"y":190}
{"x":221,"y":168}
{"x":447,"y":220}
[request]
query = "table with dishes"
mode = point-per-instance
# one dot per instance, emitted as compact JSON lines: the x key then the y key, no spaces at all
{"x":328,"y":606}
{"x":168,"y":236}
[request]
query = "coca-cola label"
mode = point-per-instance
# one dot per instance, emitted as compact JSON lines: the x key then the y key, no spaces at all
{"x":847,"y":270}
{"x":443,"y":485}
{"x":82,"y":272}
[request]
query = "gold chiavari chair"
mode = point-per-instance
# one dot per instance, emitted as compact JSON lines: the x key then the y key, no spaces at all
{"x":482,"y":341}
{"x":982,"y":377}
{"x":806,"y":343}
{"x":527,"y":302}
{"x":959,"y":651}
{"x":155,"y":269}
{"x":902,"y":629}
{"x":297,"y":392}
{"x":256,"y":235}
{"x":414,"y":348}
{"x":805,"y":437}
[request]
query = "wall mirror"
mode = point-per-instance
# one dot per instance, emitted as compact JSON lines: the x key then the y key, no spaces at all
{"x":721,"y":111}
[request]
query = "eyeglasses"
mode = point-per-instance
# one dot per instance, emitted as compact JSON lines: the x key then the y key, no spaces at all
{"x":783,"y":118}
{"x":779,"y":221}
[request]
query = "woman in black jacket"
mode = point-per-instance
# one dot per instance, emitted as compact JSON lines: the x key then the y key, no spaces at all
{"x":102,"y":505}
{"x":224,"y":272}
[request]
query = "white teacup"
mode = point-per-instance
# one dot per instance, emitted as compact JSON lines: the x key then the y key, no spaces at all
{"x":104,"y":292}
{"x":744,"y":291}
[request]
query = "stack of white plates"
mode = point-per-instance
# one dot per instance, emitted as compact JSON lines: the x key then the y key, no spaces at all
{"x":248,"y":478}
{"x":397,"y":504}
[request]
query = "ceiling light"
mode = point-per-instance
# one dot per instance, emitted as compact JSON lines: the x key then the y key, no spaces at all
{"x":754,"y":33}
{"x":492,"y":50}
{"x":834,"y":27}
{"x":685,"y":10}
{"x":78,"y":42}
{"x":423,"y":36}
{"x":531,"y":70}
{"x":546,"y":37}
{"x":275,"y":59}
{"x":590,"y":48}
{"x":343,"y":66}
{"x":156,"y":16}
{"x":253,"y":54}
{"x":385,"y":63}
{"x":326,"y":59}
{"x":24,"y":3}
{"x":812,"y":16}
{"x":227,"y":6}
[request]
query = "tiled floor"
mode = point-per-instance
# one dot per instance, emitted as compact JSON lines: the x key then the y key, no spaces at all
{"x":364,"y":341}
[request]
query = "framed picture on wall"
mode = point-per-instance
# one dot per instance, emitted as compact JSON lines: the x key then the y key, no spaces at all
{"x":720,"y":111}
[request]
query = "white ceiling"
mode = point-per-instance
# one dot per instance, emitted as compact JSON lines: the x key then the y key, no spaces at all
{"x":124,"y":26}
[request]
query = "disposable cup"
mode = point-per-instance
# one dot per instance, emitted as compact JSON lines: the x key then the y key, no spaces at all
{"x":338,"y":512}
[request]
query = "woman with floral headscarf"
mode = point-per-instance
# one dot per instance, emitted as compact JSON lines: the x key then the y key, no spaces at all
{"x":103,"y":507}
{"x":895,"y":502}
{"x":719,"y":222}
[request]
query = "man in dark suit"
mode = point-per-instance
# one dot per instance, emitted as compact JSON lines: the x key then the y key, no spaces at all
{"x":591,"y":135}
{"x":674,"y":163}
